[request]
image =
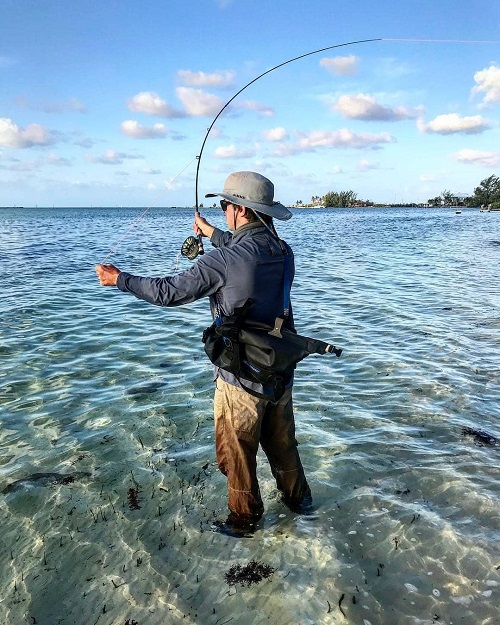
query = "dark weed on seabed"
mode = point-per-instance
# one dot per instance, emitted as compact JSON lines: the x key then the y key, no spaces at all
{"x":252,"y":573}
{"x":480,"y":437}
{"x":133,"y":499}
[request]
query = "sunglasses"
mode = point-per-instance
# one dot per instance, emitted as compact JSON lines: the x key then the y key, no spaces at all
{"x":224,"y":204}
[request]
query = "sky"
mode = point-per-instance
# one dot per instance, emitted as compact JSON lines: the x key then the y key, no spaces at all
{"x":108,"y":103}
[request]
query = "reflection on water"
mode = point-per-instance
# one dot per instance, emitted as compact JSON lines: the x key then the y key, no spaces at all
{"x":110,"y":399}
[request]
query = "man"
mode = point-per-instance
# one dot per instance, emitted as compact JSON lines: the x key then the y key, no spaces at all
{"x":249,"y":263}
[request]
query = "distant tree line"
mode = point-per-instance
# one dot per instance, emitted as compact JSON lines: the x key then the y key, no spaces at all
{"x":487,"y":193}
{"x":340,"y":199}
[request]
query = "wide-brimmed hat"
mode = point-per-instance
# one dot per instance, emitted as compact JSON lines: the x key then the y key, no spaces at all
{"x":247,"y":188}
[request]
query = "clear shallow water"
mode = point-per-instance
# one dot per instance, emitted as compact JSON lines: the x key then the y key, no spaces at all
{"x":117,"y":393}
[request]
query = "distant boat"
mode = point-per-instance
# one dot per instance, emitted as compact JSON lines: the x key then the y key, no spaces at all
{"x":458,"y":212}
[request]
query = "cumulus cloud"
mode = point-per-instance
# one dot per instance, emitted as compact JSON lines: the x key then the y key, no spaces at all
{"x":151,"y":103}
{"x":201,"y":79}
{"x":276,"y":134}
{"x":341,"y":139}
{"x":199,"y":103}
{"x":231,"y":151}
{"x":341,"y":65}
{"x":365,"y":107}
{"x":111,"y":157}
{"x":365,"y":165}
{"x":12,"y":136}
{"x":488,"y":82}
{"x":252,"y":105}
{"x":477,"y":157}
{"x":452,"y":123}
{"x":132,"y":128}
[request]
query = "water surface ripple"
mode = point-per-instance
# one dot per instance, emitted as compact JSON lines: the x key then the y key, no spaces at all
{"x":117,"y":395}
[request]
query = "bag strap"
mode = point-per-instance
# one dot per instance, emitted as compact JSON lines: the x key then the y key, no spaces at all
{"x":286,"y":286}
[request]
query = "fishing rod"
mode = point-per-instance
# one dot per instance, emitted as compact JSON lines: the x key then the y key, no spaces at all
{"x":193,"y":246}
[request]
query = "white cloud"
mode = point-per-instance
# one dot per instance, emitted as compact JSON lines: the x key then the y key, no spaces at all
{"x":201,"y":79}
{"x":12,"y":136}
{"x":365,"y":165}
{"x":476,"y":157}
{"x":453,"y":123}
{"x":341,"y":65}
{"x":488,"y":82}
{"x":132,"y":128}
{"x":231,"y":151}
{"x":341,"y":139}
{"x":276,"y":134}
{"x":365,"y":107}
{"x":151,"y":103}
{"x":199,"y":103}
{"x":252,"y":105}
{"x":111,"y":157}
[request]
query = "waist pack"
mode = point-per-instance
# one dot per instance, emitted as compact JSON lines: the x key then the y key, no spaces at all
{"x":256,"y":352}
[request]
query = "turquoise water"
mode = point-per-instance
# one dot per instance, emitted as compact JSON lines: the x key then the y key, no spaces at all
{"x":118,"y":394}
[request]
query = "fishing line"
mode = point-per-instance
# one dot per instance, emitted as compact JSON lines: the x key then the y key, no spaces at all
{"x":193,"y":246}
{"x":302,"y":56}
{"x":144,"y":212}
{"x":441,"y":40}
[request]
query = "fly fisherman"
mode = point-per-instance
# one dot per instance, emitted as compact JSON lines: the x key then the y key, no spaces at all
{"x":247,"y":263}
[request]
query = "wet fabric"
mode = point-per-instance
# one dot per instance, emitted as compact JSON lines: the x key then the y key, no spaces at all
{"x":242,"y":422}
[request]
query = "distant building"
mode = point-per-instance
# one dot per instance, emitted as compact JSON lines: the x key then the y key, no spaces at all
{"x":459,"y":199}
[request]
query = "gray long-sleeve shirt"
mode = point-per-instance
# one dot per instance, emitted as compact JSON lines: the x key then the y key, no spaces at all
{"x":246,"y":264}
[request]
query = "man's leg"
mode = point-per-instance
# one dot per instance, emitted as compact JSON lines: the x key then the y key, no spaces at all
{"x":238,"y":418}
{"x":280,"y":446}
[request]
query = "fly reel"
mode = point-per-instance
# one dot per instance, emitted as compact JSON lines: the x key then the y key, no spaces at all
{"x":192,"y":247}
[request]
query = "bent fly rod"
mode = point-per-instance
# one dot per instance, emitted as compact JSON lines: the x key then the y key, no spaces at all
{"x":193,"y":246}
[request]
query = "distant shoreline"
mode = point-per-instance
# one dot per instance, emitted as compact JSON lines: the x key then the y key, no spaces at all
{"x":202,"y":208}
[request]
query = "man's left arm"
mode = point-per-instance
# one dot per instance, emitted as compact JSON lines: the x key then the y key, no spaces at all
{"x":201,"y":280}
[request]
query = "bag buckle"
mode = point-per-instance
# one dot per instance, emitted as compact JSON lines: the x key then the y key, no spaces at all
{"x":278,"y":322}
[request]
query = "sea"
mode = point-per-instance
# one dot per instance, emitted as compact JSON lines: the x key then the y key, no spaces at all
{"x":109,"y":487}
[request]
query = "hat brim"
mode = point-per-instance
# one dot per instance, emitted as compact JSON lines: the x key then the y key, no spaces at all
{"x":275,"y":210}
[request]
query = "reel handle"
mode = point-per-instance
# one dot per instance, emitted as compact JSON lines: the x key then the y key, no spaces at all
{"x":201,"y":249}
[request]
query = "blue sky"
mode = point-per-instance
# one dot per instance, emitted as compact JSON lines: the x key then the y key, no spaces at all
{"x":107,"y":103}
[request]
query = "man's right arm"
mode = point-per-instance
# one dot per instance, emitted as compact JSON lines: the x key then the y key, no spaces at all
{"x":218,"y":238}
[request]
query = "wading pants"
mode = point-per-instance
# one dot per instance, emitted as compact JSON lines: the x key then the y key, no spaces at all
{"x":241,"y":423}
